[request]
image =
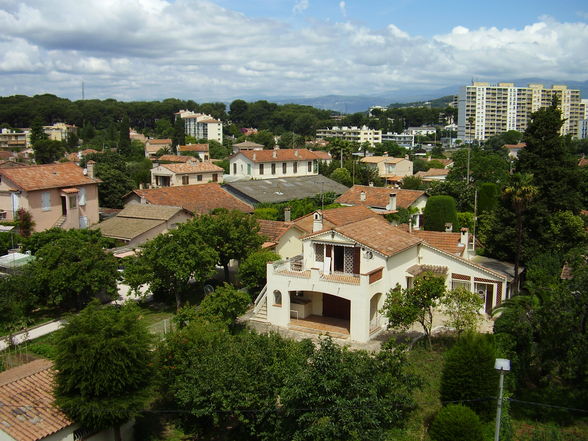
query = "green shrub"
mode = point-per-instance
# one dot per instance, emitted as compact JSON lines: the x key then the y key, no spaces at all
{"x":469,"y":374}
{"x":487,"y":197}
{"x":439,"y":211}
{"x":456,"y":423}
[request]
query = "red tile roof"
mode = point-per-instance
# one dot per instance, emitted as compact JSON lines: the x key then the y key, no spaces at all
{"x":193,"y":148}
{"x":177,"y":158}
{"x":520,"y":145}
{"x":379,"y":197}
{"x":273,"y":230}
{"x":384,"y":159}
{"x":448,"y":242}
{"x":198,"y":198}
{"x":278,"y":155}
{"x":194,"y":167}
{"x":322,"y":155}
{"x":159,"y":141}
{"x":583,"y":162}
{"x":433,"y":172}
{"x":335,"y":217}
{"x":40,"y":177}
{"x":28,"y":412}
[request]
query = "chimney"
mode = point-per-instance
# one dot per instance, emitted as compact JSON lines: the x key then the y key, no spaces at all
{"x":90,"y":168}
{"x":406,"y":157}
{"x":362,"y":196}
{"x":465,"y":237}
{"x":274,"y":154}
{"x":143,"y":200}
{"x":317,"y":224}
{"x":141,"y":186}
{"x":392,"y":202}
{"x":254,"y":156}
{"x":385,"y":155}
{"x":371,"y":184}
{"x":448,"y":227}
{"x":287,"y":214}
{"x":296,"y":153}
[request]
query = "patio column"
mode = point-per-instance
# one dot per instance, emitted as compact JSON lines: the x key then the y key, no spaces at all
{"x":359,"y":328}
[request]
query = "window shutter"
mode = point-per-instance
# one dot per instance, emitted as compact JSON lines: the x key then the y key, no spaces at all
{"x":329,"y":250}
{"x":356,"y":260}
{"x":46,"y":200}
{"x":82,"y":196}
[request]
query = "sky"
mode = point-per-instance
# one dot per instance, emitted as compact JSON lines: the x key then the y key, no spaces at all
{"x":227,"y":49}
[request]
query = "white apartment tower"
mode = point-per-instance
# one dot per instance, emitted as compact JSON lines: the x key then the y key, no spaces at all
{"x":485,"y":110}
{"x":201,"y":126}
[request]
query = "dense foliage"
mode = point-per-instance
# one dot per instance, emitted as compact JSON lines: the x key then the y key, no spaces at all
{"x":439,"y":211}
{"x":253,"y":270}
{"x":456,"y":423}
{"x":104,"y":366}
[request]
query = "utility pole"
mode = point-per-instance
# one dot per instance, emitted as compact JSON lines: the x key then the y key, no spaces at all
{"x":502,"y":365}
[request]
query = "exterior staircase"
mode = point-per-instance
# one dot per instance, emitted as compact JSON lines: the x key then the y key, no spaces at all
{"x":260,"y":306}
{"x":59,"y":222}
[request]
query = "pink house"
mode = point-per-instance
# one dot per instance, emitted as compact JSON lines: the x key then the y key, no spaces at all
{"x":57,"y":195}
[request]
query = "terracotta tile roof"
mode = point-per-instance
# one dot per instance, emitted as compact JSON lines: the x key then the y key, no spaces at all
{"x":193,"y":167}
{"x":248,"y":145}
{"x":322,"y":155}
{"x":379,"y":197}
{"x":448,"y":242}
{"x":5,"y":154}
{"x":415,"y":270}
{"x":177,"y":158}
{"x":197,"y":198}
{"x":273,"y":230}
{"x":384,"y":159}
{"x":278,"y":155}
{"x":335,"y":217}
{"x":28,"y":412}
{"x":433,"y":172}
{"x":126,"y":228}
{"x":39,"y":177}
{"x":583,"y":162}
{"x":159,"y":141}
{"x":193,"y":148}
{"x":445,"y":162}
{"x":376,"y":233}
{"x":520,"y":145}
{"x":142,"y":211}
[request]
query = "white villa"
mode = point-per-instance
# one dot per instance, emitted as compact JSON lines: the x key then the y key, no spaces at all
{"x":344,"y":273}
{"x":276,"y":163}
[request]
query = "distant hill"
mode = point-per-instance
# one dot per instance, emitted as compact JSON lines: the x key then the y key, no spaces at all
{"x":361,"y":103}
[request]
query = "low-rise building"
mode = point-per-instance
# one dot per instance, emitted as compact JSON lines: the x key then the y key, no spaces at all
{"x":354,"y":134}
{"x":421,"y":131}
{"x":60,"y":131}
{"x":268,"y":164}
{"x":200,"y":151}
{"x":138,"y":223}
{"x":191,"y":172}
{"x":402,"y":139}
{"x":152,"y":146}
{"x":514,"y":149}
{"x":389,"y":168}
{"x":56,"y":195}
{"x":433,"y":174}
{"x":246,"y":145}
{"x":13,"y":140}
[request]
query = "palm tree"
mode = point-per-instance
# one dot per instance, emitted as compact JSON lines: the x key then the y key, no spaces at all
{"x":519,"y":192}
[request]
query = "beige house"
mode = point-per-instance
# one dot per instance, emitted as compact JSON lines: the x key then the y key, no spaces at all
{"x":138,"y":223}
{"x":57,"y":195}
{"x":276,"y":163}
{"x":12,"y":140}
{"x":152,"y":146}
{"x":389,"y":168}
{"x":28,"y":411}
{"x":433,"y":174}
{"x":60,"y":131}
{"x":247,"y":145}
{"x":340,"y":279}
{"x":192,"y":172}
{"x":200,"y":151}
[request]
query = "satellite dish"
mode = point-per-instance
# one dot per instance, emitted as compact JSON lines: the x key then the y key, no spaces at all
{"x":208,"y":289}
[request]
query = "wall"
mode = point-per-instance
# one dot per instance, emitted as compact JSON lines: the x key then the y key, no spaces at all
{"x":168,"y":225}
{"x":241,"y":161}
{"x":289,"y":244}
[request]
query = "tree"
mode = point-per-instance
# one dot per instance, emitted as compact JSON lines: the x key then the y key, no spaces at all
{"x":232,"y":234}
{"x":468,"y":373}
{"x":519,"y":193}
{"x":404,"y":307}
{"x":223,"y":305}
{"x":456,"y":423}
{"x":124,"y":139}
{"x":37,"y":132}
{"x":38,"y":240}
{"x":104,"y":367}
{"x":439,"y":211}
{"x":412,"y":183}
{"x":25,"y":222}
{"x":487,"y":197}
{"x":253,"y":270}
{"x":71,"y":271}
{"x":238,"y":110}
{"x":342,"y":176}
{"x":463,"y":309}
{"x":48,"y":151}
{"x":179,"y":134}
{"x":170,"y":261}
{"x":115,"y":184}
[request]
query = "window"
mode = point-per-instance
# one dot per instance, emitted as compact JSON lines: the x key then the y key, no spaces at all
{"x":82,"y":196}
{"x":456,"y":283}
{"x":273,"y":168}
{"x":295,"y":167}
{"x":249,"y":169}
{"x":277,"y":298}
{"x":234,"y":169}
{"x":73,"y":202}
{"x":309,"y":166}
{"x":284,"y":168}
{"x":319,"y":252}
{"x":46,"y":200}
{"x":261,"y":169}
{"x":199,"y":178}
{"x":185,"y":180}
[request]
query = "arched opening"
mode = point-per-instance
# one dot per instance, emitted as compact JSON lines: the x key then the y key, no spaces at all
{"x":375,"y":318}
{"x":277,"y":298}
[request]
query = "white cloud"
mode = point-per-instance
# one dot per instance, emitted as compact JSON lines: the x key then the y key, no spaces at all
{"x":300,"y":6}
{"x":152,"y":49}
{"x":343,"y":8}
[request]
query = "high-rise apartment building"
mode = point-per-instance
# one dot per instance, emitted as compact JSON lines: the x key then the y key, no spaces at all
{"x":201,"y":126}
{"x":485,"y":110}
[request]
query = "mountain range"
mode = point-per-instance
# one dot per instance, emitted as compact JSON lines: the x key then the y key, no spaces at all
{"x":361,"y":103}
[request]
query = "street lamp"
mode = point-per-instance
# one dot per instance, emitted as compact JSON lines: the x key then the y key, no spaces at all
{"x":502,"y":365}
